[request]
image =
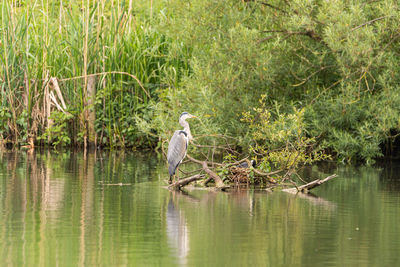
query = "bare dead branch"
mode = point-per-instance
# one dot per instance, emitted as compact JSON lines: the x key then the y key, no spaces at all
{"x":191,"y":172}
{"x":309,"y":186}
{"x":218,"y":181}
{"x":182,"y":182}
{"x":216,"y":135}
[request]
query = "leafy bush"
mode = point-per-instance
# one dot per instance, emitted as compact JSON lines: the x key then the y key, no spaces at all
{"x":333,"y":62}
{"x":281,"y":138}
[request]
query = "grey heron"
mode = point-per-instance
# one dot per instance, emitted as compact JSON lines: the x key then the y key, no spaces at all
{"x":177,"y":147}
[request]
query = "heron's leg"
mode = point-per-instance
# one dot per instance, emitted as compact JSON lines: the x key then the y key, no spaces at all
{"x":177,"y":171}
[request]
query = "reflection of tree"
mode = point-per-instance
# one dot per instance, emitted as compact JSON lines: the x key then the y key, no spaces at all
{"x":36,"y":199}
{"x":86,"y":177}
{"x":389,"y":177}
{"x":316,"y":200}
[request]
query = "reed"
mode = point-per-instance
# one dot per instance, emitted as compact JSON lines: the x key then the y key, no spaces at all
{"x":71,"y":41}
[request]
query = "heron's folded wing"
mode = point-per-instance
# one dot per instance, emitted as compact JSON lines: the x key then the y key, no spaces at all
{"x":176,"y":151}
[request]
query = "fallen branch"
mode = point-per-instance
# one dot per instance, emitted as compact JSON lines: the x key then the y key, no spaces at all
{"x":182,"y":182}
{"x":218,"y":181}
{"x":239,"y":171}
{"x":305,"y":188}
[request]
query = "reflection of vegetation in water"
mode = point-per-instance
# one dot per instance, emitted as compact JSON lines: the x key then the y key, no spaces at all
{"x":340,"y":228}
{"x":65,"y":215}
{"x":58,"y":208}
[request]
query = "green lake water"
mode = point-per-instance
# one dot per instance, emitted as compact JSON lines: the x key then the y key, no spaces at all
{"x":111,"y":209}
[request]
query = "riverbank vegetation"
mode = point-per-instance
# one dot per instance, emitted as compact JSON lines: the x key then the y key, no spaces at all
{"x":288,"y":82}
{"x":80,"y":72}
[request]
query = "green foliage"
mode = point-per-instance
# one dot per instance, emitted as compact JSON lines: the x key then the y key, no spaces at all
{"x":57,"y":133}
{"x":331,"y":66}
{"x":4,"y":117}
{"x":281,"y":138}
{"x":70,"y":39}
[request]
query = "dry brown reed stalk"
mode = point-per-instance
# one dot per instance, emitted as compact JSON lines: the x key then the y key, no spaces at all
{"x":110,"y":72}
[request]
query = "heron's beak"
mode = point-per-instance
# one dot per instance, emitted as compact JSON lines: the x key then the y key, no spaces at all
{"x":193,"y":116}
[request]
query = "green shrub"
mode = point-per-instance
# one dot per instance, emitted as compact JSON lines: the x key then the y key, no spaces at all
{"x":336,"y":62}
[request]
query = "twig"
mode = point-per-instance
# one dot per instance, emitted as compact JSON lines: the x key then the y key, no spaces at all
{"x":298,"y":176}
{"x":105,"y":73}
{"x":370,"y":22}
{"x":332,"y":85}
{"x":191,"y":172}
{"x":311,"y":75}
{"x":312,"y":34}
{"x":54,"y":84}
{"x":273,"y":7}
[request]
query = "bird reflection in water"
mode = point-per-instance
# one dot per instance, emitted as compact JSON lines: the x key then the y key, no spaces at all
{"x":177,"y":229}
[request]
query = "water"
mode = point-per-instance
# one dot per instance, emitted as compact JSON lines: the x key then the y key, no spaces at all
{"x":112,"y":210}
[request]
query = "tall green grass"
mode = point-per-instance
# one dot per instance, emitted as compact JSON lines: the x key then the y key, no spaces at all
{"x":71,"y":40}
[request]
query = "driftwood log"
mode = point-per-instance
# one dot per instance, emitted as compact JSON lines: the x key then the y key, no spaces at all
{"x":305,"y":188}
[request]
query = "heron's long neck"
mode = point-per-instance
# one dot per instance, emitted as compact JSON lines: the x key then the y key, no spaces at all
{"x":186,"y":127}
